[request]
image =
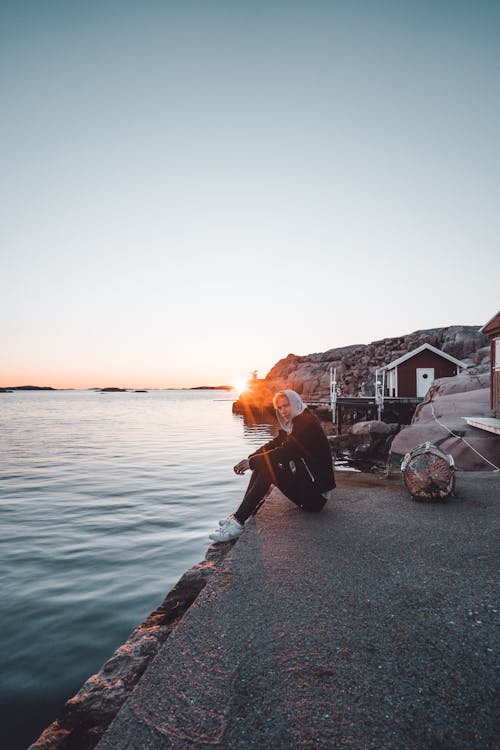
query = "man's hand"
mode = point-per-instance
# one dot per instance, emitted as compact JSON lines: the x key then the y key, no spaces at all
{"x":242,"y":466}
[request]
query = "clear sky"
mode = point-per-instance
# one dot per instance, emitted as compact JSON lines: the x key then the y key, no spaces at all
{"x":191,"y":190}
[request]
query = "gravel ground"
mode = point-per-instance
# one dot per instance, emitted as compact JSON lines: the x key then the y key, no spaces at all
{"x":370,"y":625}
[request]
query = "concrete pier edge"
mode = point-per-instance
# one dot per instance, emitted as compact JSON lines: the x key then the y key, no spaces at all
{"x":397,"y":601}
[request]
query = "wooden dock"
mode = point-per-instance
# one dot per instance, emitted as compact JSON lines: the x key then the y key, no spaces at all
{"x":351,"y":409}
{"x":346,"y":410}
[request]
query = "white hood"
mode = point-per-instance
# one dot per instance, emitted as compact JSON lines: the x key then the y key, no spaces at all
{"x":297,"y":406}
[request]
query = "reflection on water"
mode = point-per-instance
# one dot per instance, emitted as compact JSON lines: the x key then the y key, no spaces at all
{"x":105,"y":500}
{"x":258,"y":432}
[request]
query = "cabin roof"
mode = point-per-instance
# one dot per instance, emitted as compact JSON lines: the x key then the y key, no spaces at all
{"x":419,"y":349}
{"x":496,"y":318}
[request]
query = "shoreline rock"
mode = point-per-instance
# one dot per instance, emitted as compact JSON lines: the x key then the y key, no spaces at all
{"x":86,"y":716}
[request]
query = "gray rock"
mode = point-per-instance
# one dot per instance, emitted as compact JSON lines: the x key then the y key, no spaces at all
{"x":465,"y":381}
{"x":373,"y":427}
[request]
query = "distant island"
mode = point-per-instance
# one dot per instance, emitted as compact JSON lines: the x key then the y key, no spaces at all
{"x":114,"y":389}
{"x":11,"y":388}
{"x":211,"y":388}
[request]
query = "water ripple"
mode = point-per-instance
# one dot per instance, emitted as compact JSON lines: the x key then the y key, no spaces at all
{"x":105,"y":500}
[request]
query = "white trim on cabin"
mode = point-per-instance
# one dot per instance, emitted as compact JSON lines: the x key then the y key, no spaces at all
{"x":422,"y":348}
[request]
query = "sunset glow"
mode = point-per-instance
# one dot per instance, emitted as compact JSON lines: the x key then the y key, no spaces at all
{"x":240,"y":386}
{"x":254,"y":163}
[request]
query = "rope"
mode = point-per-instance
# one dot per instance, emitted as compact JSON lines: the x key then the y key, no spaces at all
{"x":495,"y":468}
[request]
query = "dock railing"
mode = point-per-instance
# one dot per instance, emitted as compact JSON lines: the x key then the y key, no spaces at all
{"x":361,"y":402}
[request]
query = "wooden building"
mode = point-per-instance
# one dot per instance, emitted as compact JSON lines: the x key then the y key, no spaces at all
{"x":492,"y":330}
{"x":411,"y":375}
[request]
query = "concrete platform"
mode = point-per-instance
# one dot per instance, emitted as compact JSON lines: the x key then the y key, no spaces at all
{"x":491,"y":424}
{"x":370,"y":625}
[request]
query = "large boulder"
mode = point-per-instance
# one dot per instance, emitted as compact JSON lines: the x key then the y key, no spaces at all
{"x":440,"y":420}
{"x":371,"y":428}
{"x":465,"y":381}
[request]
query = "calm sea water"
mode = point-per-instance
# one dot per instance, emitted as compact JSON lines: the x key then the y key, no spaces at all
{"x":105,"y":500}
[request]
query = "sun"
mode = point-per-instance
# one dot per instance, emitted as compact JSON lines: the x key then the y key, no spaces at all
{"x":239,"y":385}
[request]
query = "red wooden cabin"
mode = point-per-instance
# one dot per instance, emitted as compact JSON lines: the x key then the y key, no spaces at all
{"x":411,"y":375}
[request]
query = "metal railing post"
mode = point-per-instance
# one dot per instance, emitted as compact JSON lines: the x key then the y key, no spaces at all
{"x":333,"y":393}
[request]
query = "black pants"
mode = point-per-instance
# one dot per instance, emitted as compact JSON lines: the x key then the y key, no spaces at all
{"x":303,"y":494}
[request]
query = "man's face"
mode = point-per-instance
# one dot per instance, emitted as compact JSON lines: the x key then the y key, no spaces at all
{"x":283,"y":408}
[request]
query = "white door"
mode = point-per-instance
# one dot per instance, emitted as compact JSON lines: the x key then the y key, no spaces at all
{"x":425,"y":376}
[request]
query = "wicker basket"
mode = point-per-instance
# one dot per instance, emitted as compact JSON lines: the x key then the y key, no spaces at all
{"x":429,"y":473}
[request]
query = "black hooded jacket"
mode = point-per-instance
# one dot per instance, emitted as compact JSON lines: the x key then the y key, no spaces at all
{"x":306,"y":446}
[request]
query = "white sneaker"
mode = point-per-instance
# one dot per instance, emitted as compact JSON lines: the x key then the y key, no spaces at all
{"x":231,"y":530}
{"x":225,"y":520}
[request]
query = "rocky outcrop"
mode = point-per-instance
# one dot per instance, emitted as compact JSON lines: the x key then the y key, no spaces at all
{"x":86,"y":716}
{"x":356,"y":365}
{"x":440,"y":420}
